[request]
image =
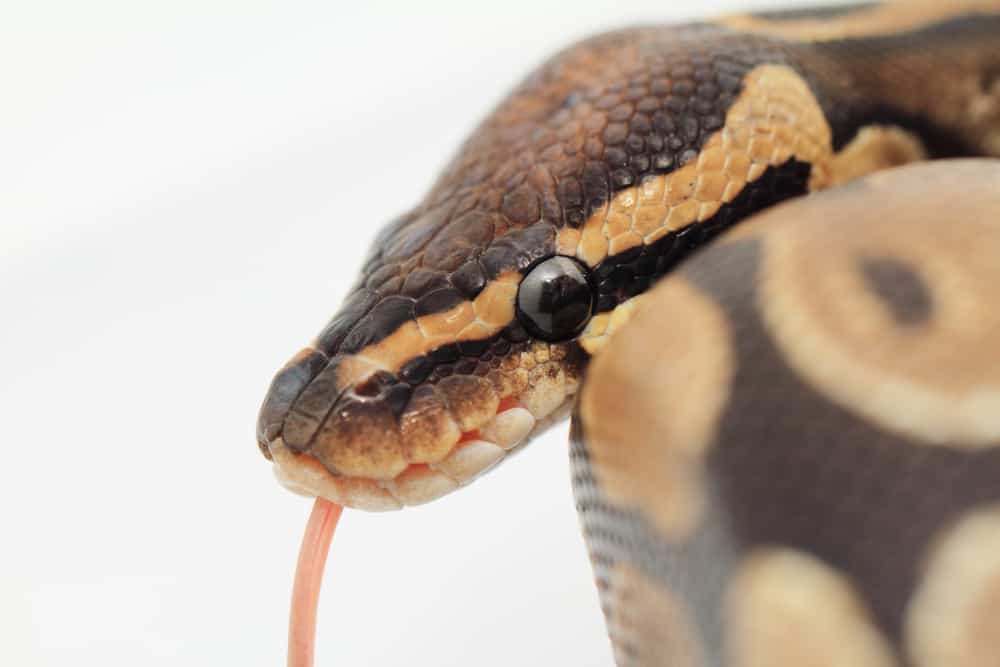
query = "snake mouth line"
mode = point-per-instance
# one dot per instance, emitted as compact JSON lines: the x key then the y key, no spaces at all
{"x":473,"y":453}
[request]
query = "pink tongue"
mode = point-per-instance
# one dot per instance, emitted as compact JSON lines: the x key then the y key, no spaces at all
{"x":308,"y":577}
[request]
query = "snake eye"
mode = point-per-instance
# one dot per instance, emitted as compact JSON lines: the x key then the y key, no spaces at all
{"x":555,"y":299}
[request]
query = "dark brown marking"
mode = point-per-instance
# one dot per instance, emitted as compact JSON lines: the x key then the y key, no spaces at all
{"x":469,"y":279}
{"x":421,"y":282}
{"x":313,"y":403}
{"x":355,"y":307}
{"x":380,"y":322}
{"x":466,"y":236}
{"x":521,"y":205}
{"x":284,"y":390}
{"x":899,"y":287}
{"x":438,"y":301}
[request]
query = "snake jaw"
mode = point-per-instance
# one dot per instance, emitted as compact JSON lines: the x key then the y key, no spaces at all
{"x":474,"y":453}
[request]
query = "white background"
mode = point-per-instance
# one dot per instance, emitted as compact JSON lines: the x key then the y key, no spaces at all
{"x":186,"y":189}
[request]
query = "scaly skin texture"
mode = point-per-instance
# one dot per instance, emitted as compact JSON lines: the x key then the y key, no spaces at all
{"x":804,"y":469}
{"x":626,"y":152}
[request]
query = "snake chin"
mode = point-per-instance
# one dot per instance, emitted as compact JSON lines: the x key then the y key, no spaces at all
{"x":474,"y":453}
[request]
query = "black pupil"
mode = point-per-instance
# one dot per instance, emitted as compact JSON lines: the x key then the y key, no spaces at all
{"x":555,"y":299}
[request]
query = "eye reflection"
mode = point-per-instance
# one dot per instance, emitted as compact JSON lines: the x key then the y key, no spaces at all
{"x":555,"y":299}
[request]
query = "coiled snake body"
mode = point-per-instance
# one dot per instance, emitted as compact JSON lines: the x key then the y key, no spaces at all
{"x":787,"y":452}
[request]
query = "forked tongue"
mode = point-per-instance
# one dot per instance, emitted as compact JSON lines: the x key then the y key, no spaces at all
{"x":308,"y":577}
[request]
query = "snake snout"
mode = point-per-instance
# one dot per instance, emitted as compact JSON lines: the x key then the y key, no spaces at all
{"x":339,"y":428}
{"x":286,"y":386}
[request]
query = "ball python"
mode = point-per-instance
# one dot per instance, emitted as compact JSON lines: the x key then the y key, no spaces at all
{"x":777,"y":337}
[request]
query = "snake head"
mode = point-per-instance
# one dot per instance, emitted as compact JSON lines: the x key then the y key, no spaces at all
{"x":457,"y":344}
{"x":474,"y":316}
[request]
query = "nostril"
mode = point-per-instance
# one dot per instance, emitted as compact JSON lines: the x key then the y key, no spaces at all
{"x":370,"y":388}
{"x":385,"y":387}
{"x":285,"y":388}
{"x":264,"y":449}
{"x":376,"y":384}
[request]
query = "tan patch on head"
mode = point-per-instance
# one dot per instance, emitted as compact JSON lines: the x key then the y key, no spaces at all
{"x":883,"y":19}
{"x":485,"y":316}
{"x":601,"y":327}
{"x":933,"y":380}
{"x":774,"y":119}
{"x":650,"y":406}
{"x":953,"y":617}
{"x":436,"y":329}
{"x":494,"y":307}
{"x":471,"y":400}
{"x":789,"y":609}
{"x":344,"y":443}
{"x":648,"y":625}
